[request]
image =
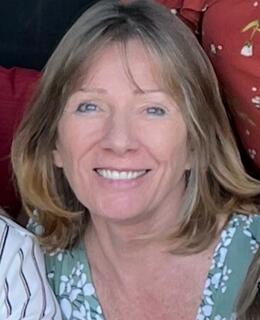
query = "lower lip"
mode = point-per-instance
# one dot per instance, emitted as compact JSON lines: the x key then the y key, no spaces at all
{"x":122,"y":184}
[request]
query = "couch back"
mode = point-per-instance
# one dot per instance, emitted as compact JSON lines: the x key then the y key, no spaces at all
{"x":16,"y":89}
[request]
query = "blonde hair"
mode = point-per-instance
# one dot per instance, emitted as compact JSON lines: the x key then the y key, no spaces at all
{"x":217,"y":182}
{"x":248,"y":303}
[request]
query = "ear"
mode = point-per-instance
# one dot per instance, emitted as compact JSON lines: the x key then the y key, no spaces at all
{"x":57,"y":158}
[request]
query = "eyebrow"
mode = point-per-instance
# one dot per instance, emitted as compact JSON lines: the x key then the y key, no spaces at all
{"x":94,"y":90}
{"x":136,"y":91}
{"x":141,"y":91}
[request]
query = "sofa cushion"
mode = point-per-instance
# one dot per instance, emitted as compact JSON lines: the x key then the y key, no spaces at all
{"x":16,"y":87}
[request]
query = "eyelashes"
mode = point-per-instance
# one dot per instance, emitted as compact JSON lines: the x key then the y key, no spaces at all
{"x":93,"y":108}
{"x":87,"y":107}
{"x":155,"y":111}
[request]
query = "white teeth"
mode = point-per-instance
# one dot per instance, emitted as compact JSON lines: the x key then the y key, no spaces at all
{"x":120,"y":175}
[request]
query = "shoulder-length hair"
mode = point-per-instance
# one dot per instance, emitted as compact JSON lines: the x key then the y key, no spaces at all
{"x":217,"y":183}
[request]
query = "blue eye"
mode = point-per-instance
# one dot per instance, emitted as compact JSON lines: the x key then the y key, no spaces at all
{"x":87,"y":107}
{"x":156,"y":111}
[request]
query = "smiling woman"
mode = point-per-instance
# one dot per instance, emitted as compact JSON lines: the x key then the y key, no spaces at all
{"x":128,"y":159}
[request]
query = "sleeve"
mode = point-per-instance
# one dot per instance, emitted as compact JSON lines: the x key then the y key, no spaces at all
{"x":24,"y":289}
{"x":190,"y":11}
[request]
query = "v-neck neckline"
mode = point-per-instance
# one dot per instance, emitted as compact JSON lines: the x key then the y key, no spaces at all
{"x":214,"y":263}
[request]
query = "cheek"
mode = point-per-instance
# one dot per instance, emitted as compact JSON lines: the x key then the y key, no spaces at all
{"x":68,"y":158}
{"x":62,"y":159}
{"x":70,"y":139}
{"x":76,"y":133}
{"x":67,"y":151}
{"x":167,"y":142}
{"x":74,"y":146}
{"x":57,"y":158}
{"x":175,"y":156}
{"x":64,"y":149}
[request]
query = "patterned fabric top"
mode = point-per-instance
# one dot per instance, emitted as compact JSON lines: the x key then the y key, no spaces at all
{"x":70,"y":277}
{"x":229,"y":31}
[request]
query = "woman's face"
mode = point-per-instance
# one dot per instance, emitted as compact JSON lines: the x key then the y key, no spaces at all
{"x":123,"y":150}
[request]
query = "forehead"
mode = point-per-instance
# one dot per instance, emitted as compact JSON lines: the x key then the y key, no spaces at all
{"x":130,"y":61}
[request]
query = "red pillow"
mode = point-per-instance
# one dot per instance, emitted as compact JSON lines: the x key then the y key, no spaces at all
{"x":16,"y":87}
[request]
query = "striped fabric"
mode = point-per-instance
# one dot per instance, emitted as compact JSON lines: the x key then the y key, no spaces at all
{"x":24,"y":290}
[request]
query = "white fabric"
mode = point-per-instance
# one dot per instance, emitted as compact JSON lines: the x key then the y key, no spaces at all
{"x":24,"y":289}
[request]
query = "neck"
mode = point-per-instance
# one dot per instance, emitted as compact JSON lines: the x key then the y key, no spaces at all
{"x":121,"y":247}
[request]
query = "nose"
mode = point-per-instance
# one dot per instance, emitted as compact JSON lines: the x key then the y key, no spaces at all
{"x":120,"y":135}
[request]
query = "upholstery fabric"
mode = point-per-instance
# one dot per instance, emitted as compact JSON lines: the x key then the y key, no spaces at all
{"x":16,"y":88}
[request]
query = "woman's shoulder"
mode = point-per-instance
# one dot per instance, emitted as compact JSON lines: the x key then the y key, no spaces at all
{"x":246,"y":225}
{"x":60,"y":261}
{"x":237,"y":246}
{"x":67,"y":266}
{"x":70,"y":278}
{"x":239,"y":240}
{"x":66,"y":257}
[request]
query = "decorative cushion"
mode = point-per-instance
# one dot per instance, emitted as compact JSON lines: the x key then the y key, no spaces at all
{"x":16,"y":87}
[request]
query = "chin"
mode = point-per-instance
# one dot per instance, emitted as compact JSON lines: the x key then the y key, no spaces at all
{"x":117,"y":206}
{"x":124,"y":214}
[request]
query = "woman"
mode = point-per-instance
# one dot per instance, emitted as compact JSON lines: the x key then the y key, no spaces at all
{"x":229,"y":32}
{"x":129,"y":160}
{"x":24,"y":289}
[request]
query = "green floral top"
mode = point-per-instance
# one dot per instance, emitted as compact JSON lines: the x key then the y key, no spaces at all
{"x":70,"y":277}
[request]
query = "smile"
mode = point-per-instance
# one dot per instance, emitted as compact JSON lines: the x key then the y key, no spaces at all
{"x":121,"y":175}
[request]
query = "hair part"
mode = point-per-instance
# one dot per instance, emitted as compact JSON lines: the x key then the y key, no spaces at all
{"x":217,"y":183}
